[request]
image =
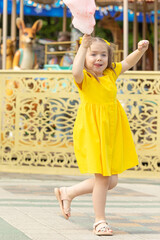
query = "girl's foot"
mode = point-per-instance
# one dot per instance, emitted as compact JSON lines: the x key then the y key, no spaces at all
{"x":102,"y":228}
{"x":64,"y":201}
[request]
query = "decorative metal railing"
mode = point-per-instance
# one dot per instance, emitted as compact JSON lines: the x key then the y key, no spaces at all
{"x":72,"y":47}
{"x":37,"y":113}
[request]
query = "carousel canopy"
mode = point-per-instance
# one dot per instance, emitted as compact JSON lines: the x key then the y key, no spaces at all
{"x":44,"y":1}
{"x":140,"y":4}
{"x":54,"y":8}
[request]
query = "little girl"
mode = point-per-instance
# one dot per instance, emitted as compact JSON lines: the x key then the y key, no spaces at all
{"x":103,"y":141}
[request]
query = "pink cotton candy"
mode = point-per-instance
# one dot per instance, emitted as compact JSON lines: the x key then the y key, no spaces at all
{"x":83,"y":14}
{"x":84,"y":24}
{"x":81,"y":7}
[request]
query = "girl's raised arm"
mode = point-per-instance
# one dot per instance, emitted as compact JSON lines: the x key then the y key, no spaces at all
{"x":134,"y":57}
{"x":79,"y":60}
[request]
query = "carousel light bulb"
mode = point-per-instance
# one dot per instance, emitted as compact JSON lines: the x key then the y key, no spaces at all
{"x":102,"y":9}
{"x":29,"y":2}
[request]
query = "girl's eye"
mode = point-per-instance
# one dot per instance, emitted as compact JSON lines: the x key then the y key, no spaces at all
{"x":103,"y":55}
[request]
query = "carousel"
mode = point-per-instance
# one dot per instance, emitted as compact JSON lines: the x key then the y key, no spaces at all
{"x":143,"y":6}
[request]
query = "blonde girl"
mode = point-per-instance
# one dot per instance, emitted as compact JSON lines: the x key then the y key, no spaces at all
{"x":103,"y":141}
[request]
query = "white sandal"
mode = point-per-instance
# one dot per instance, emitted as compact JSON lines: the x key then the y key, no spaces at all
{"x":101,"y":228}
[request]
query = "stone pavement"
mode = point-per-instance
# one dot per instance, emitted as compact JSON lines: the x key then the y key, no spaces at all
{"x":29,"y":210}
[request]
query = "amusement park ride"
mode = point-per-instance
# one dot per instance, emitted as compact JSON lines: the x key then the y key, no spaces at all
{"x":107,"y":22}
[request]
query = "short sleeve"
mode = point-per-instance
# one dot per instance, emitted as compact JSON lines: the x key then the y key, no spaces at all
{"x":117,"y":68}
{"x":84,"y":82}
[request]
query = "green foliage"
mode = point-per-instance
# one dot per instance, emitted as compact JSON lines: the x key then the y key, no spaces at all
{"x":103,"y":33}
{"x":51,"y":26}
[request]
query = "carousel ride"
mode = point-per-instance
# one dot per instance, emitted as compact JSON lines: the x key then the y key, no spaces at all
{"x":108,"y":22}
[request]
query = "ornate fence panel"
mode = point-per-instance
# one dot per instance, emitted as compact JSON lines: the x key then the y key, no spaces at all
{"x":139,"y":94}
{"x":38,"y":110}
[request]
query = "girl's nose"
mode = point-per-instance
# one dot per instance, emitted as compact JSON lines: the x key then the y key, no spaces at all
{"x":98,"y":58}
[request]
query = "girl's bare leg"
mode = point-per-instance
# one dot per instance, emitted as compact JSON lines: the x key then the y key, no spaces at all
{"x":99,"y":194}
{"x":86,"y":187}
{"x":113,"y":181}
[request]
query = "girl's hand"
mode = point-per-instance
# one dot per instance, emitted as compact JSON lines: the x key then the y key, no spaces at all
{"x":143,"y":45}
{"x":86,"y":41}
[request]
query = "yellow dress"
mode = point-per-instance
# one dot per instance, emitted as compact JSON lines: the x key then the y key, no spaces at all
{"x":103,"y":140}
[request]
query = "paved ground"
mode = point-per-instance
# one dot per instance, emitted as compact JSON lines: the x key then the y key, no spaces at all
{"x":29,"y":210}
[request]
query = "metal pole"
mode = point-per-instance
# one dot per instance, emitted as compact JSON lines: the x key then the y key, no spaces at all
{"x":22,"y":17}
{"x":125,"y":27}
{"x":13,"y":20}
{"x":144,"y":33}
{"x":5,"y":3}
{"x":135,"y":30}
{"x":21,"y":10}
{"x":64,"y":18}
{"x":156,"y":35}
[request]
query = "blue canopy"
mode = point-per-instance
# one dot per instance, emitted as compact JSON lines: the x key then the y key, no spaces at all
{"x":56,"y":10}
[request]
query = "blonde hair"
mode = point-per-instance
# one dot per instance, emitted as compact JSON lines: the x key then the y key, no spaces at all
{"x":110,"y":57}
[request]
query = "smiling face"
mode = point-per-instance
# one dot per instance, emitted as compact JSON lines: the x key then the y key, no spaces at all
{"x":97,"y":58}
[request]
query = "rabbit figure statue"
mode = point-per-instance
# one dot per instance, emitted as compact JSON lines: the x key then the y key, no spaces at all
{"x":25,"y":57}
